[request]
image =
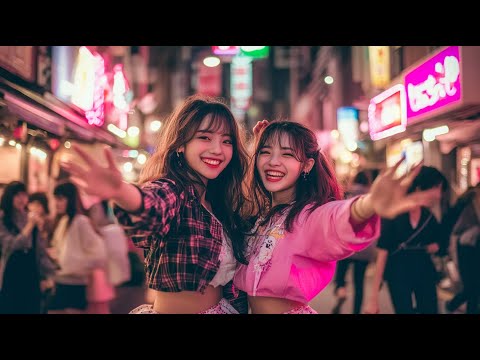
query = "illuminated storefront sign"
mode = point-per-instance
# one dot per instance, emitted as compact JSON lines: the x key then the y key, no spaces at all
{"x":226,"y":50}
{"x":347,"y":124}
{"x":241,"y":84}
{"x":379,"y":58}
{"x":434,"y":84}
{"x":89,"y":86}
{"x":387,"y":113}
{"x":256,"y":52}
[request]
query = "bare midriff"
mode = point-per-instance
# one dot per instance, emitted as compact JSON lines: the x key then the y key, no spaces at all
{"x":271,"y":305}
{"x":187,"y":302}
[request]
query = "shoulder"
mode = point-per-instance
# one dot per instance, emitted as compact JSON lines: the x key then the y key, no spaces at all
{"x":164,"y":187}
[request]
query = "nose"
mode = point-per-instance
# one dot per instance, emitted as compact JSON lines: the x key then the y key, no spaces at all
{"x":216,"y":147}
{"x":274,"y":160}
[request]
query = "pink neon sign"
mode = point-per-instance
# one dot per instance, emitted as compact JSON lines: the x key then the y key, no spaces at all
{"x":386,"y":113}
{"x":433,"y":84}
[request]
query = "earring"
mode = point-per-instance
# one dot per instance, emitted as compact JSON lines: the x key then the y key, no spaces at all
{"x":305,"y":174}
{"x":179,"y":159}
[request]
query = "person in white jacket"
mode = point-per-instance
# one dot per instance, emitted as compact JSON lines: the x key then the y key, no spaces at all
{"x":78,"y":248}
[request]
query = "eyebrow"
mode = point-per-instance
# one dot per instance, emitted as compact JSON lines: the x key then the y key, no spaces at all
{"x":211,"y":132}
{"x":281,"y":147}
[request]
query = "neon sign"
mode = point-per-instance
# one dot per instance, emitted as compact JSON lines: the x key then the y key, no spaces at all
{"x":387,"y":113}
{"x":89,"y":86}
{"x":434,"y":84}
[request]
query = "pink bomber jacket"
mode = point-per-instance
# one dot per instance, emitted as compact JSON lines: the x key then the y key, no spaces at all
{"x":300,"y":264}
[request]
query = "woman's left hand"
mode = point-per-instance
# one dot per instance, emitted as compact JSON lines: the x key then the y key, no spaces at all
{"x":388,"y":195}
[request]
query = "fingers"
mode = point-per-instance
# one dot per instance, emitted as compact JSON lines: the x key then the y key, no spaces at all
{"x":74,"y":169}
{"x":79,"y":183}
{"x":393,"y":169}
{"x":408,"y":178}
{"x":109,"y":156}
{"x":87,"y":158}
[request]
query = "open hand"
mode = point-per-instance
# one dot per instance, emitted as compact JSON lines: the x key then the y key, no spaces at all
{"x":389,"y":196}
{"x":259,"y":127}
{"x":95,"y":179}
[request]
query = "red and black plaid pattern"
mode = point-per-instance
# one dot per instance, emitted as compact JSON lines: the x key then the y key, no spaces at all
{"x":182,"y":239}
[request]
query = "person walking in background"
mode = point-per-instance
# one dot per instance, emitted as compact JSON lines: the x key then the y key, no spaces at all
{"x":187,"y":212}
{"x":466,"y":244}
{"x":405,"y":249}
{"x":302,"y":228}
{"x":77,"y":247}
{"x":101,"y":288}
{"x":359,"y":260}
{"x":25,"y":269}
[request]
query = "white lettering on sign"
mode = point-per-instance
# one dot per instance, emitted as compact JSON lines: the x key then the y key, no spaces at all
{"x":435,"y":88}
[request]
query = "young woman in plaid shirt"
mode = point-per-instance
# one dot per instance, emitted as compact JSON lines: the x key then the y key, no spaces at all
{"x":186,"y":212}
{"x":303,"y":228}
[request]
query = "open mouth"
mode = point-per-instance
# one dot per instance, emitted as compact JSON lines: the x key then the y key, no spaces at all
{"x":213,"y":163}
{"x":274,"y":176}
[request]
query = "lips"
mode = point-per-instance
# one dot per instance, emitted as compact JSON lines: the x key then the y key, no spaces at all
{"x":213,"y":163}
{"x":274,"y":176}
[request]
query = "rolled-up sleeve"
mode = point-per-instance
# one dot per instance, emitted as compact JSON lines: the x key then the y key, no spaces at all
{"x":329,"y":234}
{"x":160,"y":205}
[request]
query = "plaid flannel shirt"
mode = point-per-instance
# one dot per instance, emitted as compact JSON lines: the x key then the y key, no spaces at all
{"x":182,"y":240}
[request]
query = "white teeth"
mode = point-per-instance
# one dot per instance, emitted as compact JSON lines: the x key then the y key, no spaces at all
{"x":275,"y":173}
{"x":211,"y":162}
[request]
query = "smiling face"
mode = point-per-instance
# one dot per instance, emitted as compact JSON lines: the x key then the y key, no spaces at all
{"x":209,"y":151}
{"x":280,"y":168}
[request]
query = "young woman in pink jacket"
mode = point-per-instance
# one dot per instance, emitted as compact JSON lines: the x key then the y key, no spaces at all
{"x":302,"y":227}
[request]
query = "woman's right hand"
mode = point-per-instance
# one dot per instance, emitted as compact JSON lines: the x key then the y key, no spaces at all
{"x":104,"y":182}
{"x":257,"y":129}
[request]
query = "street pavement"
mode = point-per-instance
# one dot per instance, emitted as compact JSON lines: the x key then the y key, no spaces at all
{"x":130,"y":297}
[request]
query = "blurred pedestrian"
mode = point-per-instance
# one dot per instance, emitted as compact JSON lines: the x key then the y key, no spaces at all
{"x":302,"y":228}
{"x":77,"y":247}
{"x":405,"y":249}
{"x":359,"y":260}
{"x":186,"y":213}
{"x":466,"y":242}
{"x":24,"y":268}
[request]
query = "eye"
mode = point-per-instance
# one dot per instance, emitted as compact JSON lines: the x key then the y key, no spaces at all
{"x":228,"y":142}
{"x":263,"y":152}
{"x":203,"y":137}
{"x":288,"y":154}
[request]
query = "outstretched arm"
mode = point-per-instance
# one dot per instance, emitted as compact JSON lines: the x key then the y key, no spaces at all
{"x":104,"y":182}
{"x":388,"y":196}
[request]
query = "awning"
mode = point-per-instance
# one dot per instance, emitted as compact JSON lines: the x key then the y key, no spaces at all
{"x":52,"y":115}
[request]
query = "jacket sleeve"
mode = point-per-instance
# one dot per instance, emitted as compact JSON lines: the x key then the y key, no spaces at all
{"x":10,"y":242}
{"x":327,"y":234}
{"x":160,"y":205}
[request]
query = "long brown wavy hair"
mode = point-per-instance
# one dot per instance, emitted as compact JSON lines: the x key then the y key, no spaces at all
{"x":225,"y":193}
{"x":316,"y":189}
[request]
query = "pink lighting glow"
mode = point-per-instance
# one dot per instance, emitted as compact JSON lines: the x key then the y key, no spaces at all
{"x":387,"y":113}
{"x":434,"y":84}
